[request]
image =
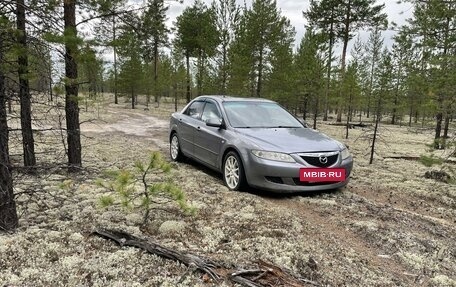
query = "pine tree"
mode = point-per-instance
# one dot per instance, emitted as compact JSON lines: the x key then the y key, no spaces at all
{"x":435,"y":26}
{"x":358,"y":14}
{"x":350,"y":87}
{"x":310,"y":68}
{"x":28,"y":143}
{"x":8,"y":214}
{"x":373,"y":48}
{"x":131,"y":65}
{"x":382,"y":94}
{"x":280,"y":81}
{"x":197,"y":36}
{"x":155,"y":35}
{"x":107,"y":31}
{"x":71,"y":85}
{"x":91,"y":70}
{"x":179,"y":76}
{"x":360,"y":60}
{"x":345,"y":17}
{"x":416,"y":87}
{"x":402,"y":55}
{"x":241,"y":61}
{"x":262,"y":33}
{"x":322,"y":16}
{"x":227,"y":15}
{"x":40,"y":67}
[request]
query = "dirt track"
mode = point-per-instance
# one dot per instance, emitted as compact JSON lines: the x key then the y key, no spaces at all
{"x":389,"y":227}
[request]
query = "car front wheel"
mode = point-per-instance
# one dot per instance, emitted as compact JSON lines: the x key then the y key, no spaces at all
{"x":233,"y":172}
{"x":174,"y":148}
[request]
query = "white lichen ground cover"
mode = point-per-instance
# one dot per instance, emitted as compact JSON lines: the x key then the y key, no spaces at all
{"x":389,"y":227}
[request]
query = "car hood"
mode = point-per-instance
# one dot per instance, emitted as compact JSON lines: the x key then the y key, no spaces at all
{"x":289,"y":140}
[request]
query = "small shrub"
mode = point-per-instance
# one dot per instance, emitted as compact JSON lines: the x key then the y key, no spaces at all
{"x":66,"y":185}
{"x":430,"y":160}
{"x":135,"y":190}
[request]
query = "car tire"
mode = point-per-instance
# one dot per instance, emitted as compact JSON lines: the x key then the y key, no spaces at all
{"x":233,"y":171}
{"x":174,"y":148}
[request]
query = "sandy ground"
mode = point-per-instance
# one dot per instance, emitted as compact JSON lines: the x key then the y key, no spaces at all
{"x":389,"y":227}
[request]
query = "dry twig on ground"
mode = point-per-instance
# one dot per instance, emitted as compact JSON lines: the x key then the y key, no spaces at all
{"x":265,"y":274}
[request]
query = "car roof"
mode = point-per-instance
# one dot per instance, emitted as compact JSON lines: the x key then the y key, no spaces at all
{"x":220,"y":98}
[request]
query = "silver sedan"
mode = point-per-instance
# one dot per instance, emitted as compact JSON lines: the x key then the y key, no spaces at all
{"x":256,"y":142}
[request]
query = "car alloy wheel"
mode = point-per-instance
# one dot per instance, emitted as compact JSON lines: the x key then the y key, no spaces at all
{"x":174,"y":148}
{"x":233,"y":173}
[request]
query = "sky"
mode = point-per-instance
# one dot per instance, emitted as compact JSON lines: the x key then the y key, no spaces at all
{"x":292,"y":9}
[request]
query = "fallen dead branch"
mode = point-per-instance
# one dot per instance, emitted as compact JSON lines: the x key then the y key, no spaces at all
{"x":124,"y":239}
{"x":438,"y":175}
{"x":351,"y":125}
{"x":264,"y":274}
{"x":417,"y":158}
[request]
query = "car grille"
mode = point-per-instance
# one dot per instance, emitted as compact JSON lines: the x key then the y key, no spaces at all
{"x":315,"y":160}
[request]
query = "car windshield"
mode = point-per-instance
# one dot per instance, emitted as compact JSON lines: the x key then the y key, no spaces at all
{"x":256,"y":114}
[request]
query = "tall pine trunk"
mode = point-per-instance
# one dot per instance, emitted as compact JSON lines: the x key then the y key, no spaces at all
{"x":8,"y":214}
{"x":349,"y":114}
{"x":304,"y":109}
{"x":346,"y":38}
{"x":438,"y":142}
{"x":371,"y":83}
{"x":446,"y":126}
{"x":156,"y":98}
{"x":396,"y":93}
{"x":260,"y":74}
{"x":377,"y":122}
{"x":224,"y":72}
{"x":133,"y":99}
{"x":28,"y":144}
{"x":328,"y":68}
{"x":199,"y":75}
{"x":116,"y":98}
{"x":49,"y":71}
{"x":175,"y":96}
{"x":410,"y":112}
{"x":438,"y":130}
{"x":315,"y":115}
{"x":71,"y":86}
{"x":187,"y":58}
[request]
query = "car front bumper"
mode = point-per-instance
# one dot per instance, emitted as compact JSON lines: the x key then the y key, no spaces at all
{"x":283,"y":177}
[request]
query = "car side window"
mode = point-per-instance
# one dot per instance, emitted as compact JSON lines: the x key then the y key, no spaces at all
{"x":211,"y":112}
{"x":195,"y":109}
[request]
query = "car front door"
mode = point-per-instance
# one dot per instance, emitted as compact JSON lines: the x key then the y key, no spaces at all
{"x":188,"y":122}
{"x":209,"y":140}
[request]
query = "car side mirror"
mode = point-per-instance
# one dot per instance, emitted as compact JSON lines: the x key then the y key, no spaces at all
{"x":216,"y":123}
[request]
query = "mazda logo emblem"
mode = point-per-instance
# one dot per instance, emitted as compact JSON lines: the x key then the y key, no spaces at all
{"x":323,"y":159}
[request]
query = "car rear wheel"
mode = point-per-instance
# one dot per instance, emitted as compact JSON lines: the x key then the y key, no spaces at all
{"x":174,"y":148}
{"x":233,"y":171}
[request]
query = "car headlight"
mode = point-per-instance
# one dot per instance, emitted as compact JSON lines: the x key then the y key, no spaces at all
{"x":277,"y":156}
{"x":344,"y":153}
